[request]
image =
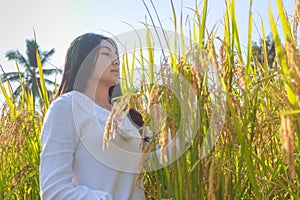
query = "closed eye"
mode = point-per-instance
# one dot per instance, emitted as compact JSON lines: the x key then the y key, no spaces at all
{"x":105,"y":53}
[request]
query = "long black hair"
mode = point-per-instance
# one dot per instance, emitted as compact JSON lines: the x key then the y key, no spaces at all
{"x":82,"y":47}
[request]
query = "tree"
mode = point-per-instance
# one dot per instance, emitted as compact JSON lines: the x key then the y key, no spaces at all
{"x":258,"y":52}
{"x":30,"y":75}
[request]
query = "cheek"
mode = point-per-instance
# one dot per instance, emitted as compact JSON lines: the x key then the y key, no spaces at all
{"x":109,"y":78}
{"x":96,"y":72}
{"x":102,"y":64}
{"x":99,"y":68}
{"x":100,"y":72}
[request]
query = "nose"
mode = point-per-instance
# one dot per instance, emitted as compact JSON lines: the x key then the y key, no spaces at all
{"x":116,"y":62}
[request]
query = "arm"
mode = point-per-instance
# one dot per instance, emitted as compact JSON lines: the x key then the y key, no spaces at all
{"x":59,"y":141}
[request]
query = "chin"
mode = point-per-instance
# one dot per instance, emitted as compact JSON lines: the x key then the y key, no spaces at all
{"x":115,"y":82}
{"x":109,"y":81}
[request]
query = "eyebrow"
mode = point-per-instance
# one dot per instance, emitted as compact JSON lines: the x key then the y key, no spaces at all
{"x":105,"y":47}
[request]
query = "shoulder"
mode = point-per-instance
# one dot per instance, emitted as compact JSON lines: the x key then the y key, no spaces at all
{"x":58,"y":123}
{"x":62,"y":102}
{"x":60,"y":108}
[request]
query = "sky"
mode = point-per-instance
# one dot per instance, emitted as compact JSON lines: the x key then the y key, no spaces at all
{"x":58,"y":22}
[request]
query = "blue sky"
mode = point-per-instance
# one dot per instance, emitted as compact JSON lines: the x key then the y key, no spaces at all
{"x":58,"y":22}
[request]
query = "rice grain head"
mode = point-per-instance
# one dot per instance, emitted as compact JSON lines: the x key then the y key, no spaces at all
{"x":288,"y":145}
{"x":121,"y":106}
{"x":293,"y":59}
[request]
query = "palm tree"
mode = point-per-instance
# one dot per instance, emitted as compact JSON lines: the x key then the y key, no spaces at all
{"x":30,"y":75}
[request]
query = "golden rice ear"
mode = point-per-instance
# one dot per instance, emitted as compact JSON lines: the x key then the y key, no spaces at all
{"x":123,"y":105}
{"x":288,"y":144}
{"x":296,"y":19}
{"x":293,"y":59}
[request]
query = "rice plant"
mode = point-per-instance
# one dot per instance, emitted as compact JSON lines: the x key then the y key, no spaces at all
{"x":256,"y":154}
{"x":20,"y":141}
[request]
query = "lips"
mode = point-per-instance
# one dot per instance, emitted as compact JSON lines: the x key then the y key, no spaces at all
{"x":115,"y":71}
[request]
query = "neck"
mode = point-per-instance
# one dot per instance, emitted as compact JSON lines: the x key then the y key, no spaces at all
{"x":100,"y":95}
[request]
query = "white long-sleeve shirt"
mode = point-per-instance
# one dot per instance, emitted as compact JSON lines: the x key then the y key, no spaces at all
{"x":73,"y":164}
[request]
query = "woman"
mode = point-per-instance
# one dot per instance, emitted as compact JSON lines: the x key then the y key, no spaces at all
{"x":73,"y":163}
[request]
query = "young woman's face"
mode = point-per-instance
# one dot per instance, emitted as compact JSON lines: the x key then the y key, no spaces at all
{"x":107,"y":70}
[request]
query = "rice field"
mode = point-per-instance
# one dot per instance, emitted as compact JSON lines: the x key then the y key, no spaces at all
{"x":245,"y":146}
